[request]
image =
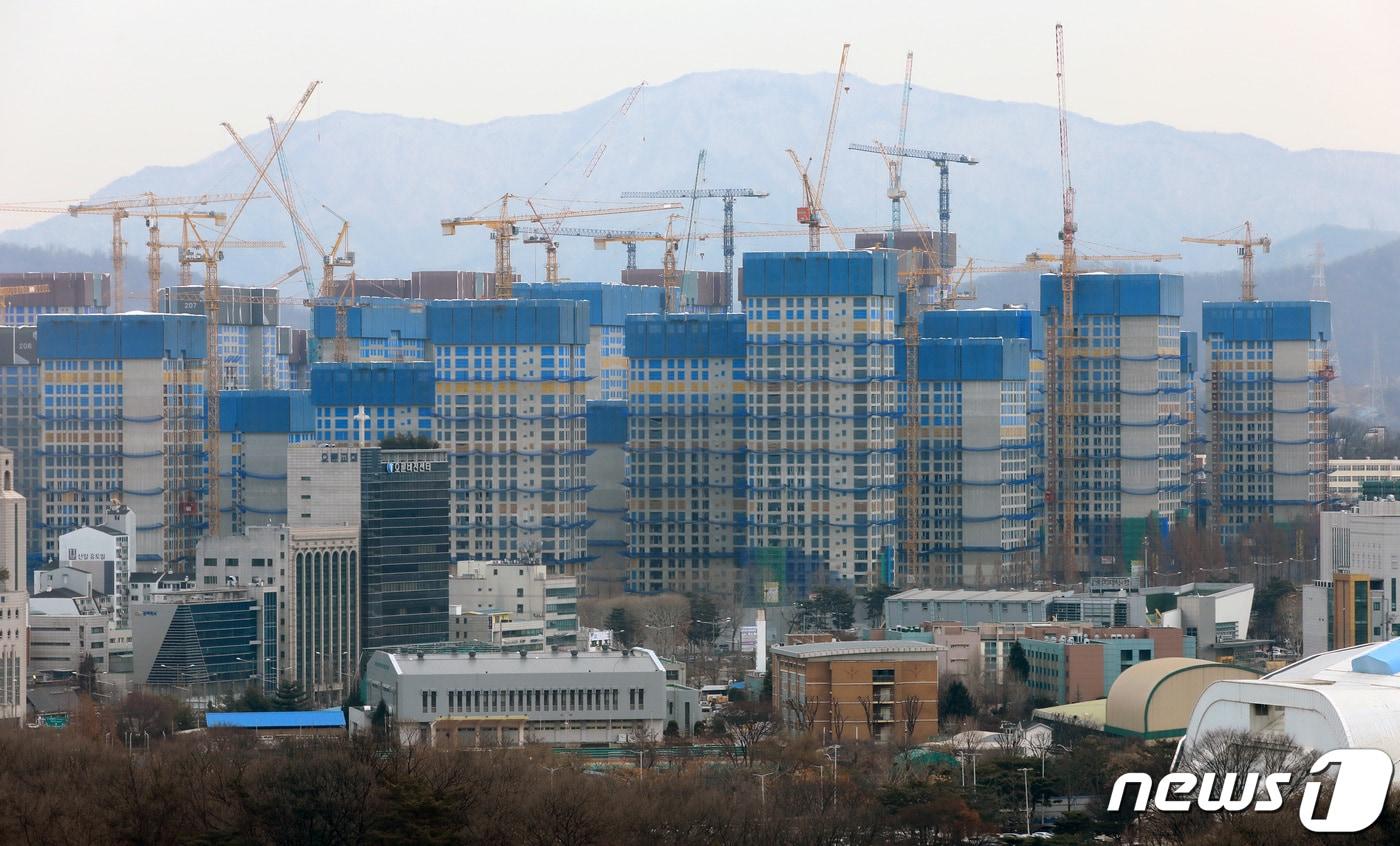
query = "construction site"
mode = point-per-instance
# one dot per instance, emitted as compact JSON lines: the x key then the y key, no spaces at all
{"x":847,"y":416}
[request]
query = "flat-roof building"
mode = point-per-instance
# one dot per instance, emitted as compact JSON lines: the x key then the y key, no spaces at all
{"x":863,"y":690}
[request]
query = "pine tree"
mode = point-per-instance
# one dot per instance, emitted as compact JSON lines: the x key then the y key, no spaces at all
{"x":290,"y":696}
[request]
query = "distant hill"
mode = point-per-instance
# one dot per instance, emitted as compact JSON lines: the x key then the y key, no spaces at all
{"x":1140,"y":186}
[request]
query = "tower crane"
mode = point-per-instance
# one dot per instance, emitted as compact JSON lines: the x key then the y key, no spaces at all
{"x":9,"y":291}
{"x":813,"y":214}
{"x":1245,"y":246}
{"x":145,"y":205}
{"x":895,"y":165}
{"x":209,"y":252}
{"x":942,"y":160}
{"x":338,"y":255}
{"x":728,"y":195}
{"x":628,"y":237}
{"x":505,"y":228}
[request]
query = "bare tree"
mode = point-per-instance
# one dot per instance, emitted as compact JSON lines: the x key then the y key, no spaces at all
{"x":913,"y":707}
{"x":804,"y":712}
{"x":746,"y":724}
{"x":868,"y":709}
{"x":836,"y":720}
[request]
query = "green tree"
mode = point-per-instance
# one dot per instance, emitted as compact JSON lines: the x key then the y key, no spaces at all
{"x":251,"y":698}
{"x":407,"y":440}
{"x":1018,"y":663}
{"x":875,"y":604}
{"x":621,"y":625}
{"x":704,"y":620}
{"x":827,"y":608}
{"x":955,"y":702}
{"x":290,"y":696}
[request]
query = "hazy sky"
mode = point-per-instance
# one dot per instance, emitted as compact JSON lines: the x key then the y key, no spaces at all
{"x":93,"y":91}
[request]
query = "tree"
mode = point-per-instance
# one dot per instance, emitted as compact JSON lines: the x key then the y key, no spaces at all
{"x":621,"y":625}
{"x":745,"y":725}
{"x":251,"y":698}
{"x":804,"y":712}
{"x":1266,"y":607}
{"x":954,"y":703}
{"x":290,"y":696}
{"x":87,"y":672}
{"x":407,"y":440}
{"x":1017,"y":662}
{"x":875,"y":604}
{"x":913,"y":707}
{"x":827,"y":608}
{"x":704,"y":622}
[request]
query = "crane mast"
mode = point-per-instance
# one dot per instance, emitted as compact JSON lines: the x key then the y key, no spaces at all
{"x":1061,"y":545}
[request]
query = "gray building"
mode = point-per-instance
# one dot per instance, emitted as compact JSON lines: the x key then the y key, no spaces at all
{"x":526,"y":592}
{"x":971,"y":607}
{"x":472,"y":699}
{"x":203,"y":642}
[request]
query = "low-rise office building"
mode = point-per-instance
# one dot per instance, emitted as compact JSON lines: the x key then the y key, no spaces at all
{"x":972,"y":607}
{"x":526,"y":591}
{"x":1069,"y":666}
{"x":861,"y":690}
{"x":65,"y":627}
{"x":464,"y":698}
{"x":497,"y":629}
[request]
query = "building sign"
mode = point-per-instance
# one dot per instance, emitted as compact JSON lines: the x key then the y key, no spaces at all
{"x":339,"y":457}
{"x":771,"y":592}
{"x":748,"y":638}
{"x":408,"y":466}
{"x":1102,"y":584}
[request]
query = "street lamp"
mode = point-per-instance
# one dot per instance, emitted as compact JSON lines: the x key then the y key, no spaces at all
{"x":763,"y":788}
{"x":1026,"y":784}
{"x":832,"y":752}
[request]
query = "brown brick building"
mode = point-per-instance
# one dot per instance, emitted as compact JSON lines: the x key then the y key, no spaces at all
{"x":858,"y":690}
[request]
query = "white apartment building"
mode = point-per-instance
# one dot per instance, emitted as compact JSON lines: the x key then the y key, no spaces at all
{"x":14,"y":605}
{"x":1346,"y":475}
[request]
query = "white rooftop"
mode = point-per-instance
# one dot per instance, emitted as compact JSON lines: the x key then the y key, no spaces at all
{"x":965,"y":595}
{"x":856,"y":648}
{"x":511,"y":662}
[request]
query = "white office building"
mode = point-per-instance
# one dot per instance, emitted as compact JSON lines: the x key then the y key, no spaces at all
{"x":14,"y":606}
{"x":523,"y":590}
{"x":463,"y":699}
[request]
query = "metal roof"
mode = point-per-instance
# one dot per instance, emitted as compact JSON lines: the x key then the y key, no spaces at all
{"x":407,"y":662}
{"x":855,"y":648}
{"x":328,"y":718}
{"x":961,"y":595}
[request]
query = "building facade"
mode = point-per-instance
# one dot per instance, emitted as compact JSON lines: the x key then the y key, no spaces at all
{"x":913,"y":608}
{"x":861,"y":690}
{"x":528,"y":592}
{"x":822,"y":408}
{"x":203,"y":641}
{"x":975,"y":506}
{"x":1125,"y":451}
{"x":686,"y":464}
{"x":255,"y":353}
{"x":509,"y":698}
{"x":609,"y":303}
{"x":362,"y":403}
{"x":405,"y":547}
{"x":123,"y":416}
{"x":21,"y":429}
{"x":1074,"y":666}
{"x":14,"y":603}
{"x":255,"y":429}
{"x":605,"y":468}
{"x":511,"y":380}
{"x":1269,"y":370}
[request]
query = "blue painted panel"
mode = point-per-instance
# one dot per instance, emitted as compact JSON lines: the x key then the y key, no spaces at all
{"x":362,"y":383}
{"x":607,"y":422}
{"x":685,"y":335}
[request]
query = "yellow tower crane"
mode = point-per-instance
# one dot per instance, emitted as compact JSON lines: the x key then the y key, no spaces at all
{"x":338,"y":255}
{"x":1245,"y":246}
{"x":209,"y":252}
{"x":146,"y":206}
{"x":505,"y":228}
{"x":813,"y":214}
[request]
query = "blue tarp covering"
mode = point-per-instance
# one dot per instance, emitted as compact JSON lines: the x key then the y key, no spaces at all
{"x":372,"y":383}
{"x":128,"y":336}
{"x":821,"y":274}
{"x":1190,"y":344}
{"x":609,"y":303}
{"x":974,"y":359}
{"x":328,"y":718}
{"x":686,"y":336}
{"x":607,"y":422}
{"x":455,"y":322}
{"x":375,"y":317}
{"x":261,"y":412}
{"x":1123,"y":294}
{"x":985,"y":323}
{"x":1295,"y":320}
